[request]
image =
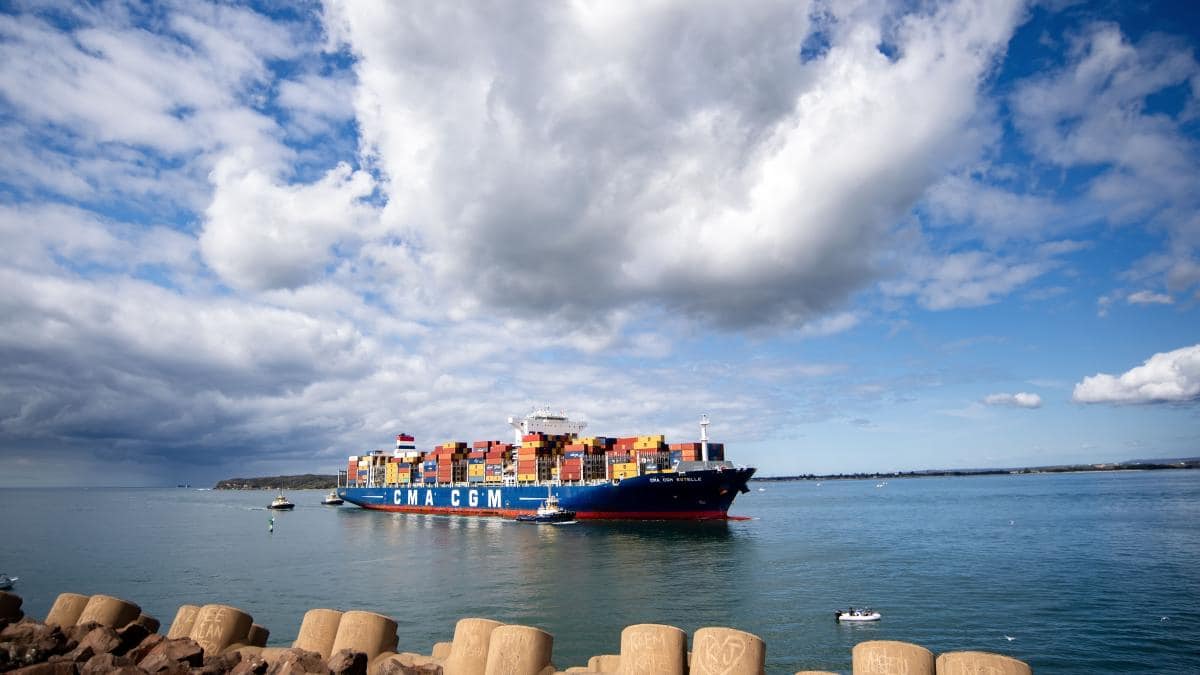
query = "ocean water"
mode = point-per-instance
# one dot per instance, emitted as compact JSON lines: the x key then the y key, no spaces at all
{"x":1086,"y":573}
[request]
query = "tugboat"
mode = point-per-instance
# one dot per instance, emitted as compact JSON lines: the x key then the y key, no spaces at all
{"x":332,"y":499}
{"x":549,"y":512}
{"x":280,"y":503}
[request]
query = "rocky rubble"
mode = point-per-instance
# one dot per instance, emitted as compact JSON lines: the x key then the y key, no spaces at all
{"x":31,"y":648}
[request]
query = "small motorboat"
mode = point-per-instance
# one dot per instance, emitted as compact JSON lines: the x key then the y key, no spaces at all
{"x":852,"y":614}
{"x":332,"y":499}
{"x":280,"y":503}
{"x":549,"y":512}
{"x":6,"y":582}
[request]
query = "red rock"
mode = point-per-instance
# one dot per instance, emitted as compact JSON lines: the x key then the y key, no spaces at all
{"x":166,"y":652}
{"x":250,"y":665}
{"x":139,"y":652}
{"x":105,"y":663}
{"x":99,"y":640}
{"x":218,"y":664}
{"x":347,"y":662}
{"x":60,"y":668}
{"x":299,"y":662}
{"x":131,"y":636}
{"x":395,"y":667}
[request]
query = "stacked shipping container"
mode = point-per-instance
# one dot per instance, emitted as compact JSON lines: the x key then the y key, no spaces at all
{"x":540,"y":457}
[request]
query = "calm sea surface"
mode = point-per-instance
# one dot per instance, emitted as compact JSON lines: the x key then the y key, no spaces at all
{"x":1086,"y":572}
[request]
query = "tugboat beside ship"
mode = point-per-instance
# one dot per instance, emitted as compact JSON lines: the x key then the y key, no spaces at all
{"x":633,"y":478}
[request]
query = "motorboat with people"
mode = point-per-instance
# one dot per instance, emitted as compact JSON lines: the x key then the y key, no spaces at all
{"x":857,"y":615}
{"x":281,"y":503}
{"x":549,"y":512}
{"x":6,"y":582}
{"x":332,"y":499}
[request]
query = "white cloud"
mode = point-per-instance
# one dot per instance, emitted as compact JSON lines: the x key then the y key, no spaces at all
{"x":966,"y":279}
{"x":262,"y":235}
{"x":1020,"y":399}
{"x":831,"y":325}
{"x":993,"y":212}
{"x":1149,"y":298}
{"x":1093,"y":114}
{"x":674,"y":153}
{"x":1166,"y":377}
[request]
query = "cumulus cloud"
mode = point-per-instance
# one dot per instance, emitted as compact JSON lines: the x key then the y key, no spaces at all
{"x":672,"y":153}
{"x":262,"y":235}
{"x":1020,"y":399}
{"x":1166,"y":377}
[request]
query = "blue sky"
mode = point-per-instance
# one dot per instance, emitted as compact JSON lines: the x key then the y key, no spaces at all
{"x":861,"y":236}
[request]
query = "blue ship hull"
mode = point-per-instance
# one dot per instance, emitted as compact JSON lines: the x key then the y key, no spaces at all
{"x":695,"y":495}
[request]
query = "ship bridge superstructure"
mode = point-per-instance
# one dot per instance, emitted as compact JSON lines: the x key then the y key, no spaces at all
{"x":544,"y":420}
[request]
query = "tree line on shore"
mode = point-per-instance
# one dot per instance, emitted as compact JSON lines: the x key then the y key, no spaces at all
{"x":1137,"y":465}
{"x":308,"y":481}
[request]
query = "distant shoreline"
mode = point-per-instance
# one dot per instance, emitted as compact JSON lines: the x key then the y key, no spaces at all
{"x":1139,"y":465}
{"x":308,"y":481}
{"x":322,"y":482}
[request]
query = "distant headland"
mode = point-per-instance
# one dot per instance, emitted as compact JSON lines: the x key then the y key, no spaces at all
{"x":1132,"y":465}
{"x":308,"y":481}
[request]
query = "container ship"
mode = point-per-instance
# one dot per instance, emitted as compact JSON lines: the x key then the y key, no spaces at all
{"x":633,"y":478}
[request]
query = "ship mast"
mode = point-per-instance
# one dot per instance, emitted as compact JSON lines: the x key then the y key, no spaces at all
{"x":704,"y":438}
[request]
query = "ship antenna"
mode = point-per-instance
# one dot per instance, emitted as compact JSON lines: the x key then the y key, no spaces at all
{"x":704,"y":438}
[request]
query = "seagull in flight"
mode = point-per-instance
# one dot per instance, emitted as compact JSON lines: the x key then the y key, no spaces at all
{"x":1165,"y":618}
{"x":1009,"y":638}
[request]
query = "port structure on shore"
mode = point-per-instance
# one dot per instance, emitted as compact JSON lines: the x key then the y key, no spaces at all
{"x":100,"y":633}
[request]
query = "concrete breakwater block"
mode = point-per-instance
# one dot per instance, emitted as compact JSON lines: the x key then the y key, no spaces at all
{"x":519,"y":650}
{"x":185,"y":617}
{"x":980,"y":663}
{"x":257,"y":637}
{"x":108,"y":611}
{"x":469,"y":648}
{"x":888,"y":657}
{"x":725,"y":651}
{"x":366,"y":632}
{"x":318,"y":631}
{"x":219,"y":626}
{"x":66,"y":609}
{"x":653,"y":649}
{"x":604,"y":663}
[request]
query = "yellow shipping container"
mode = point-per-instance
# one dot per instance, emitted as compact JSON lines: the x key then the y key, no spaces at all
{"x":390,"y":475}
{"x":474,"y":469}
{"x":405,"y":477}
{"x":493,"y":479}
{"x":526,"y":477}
